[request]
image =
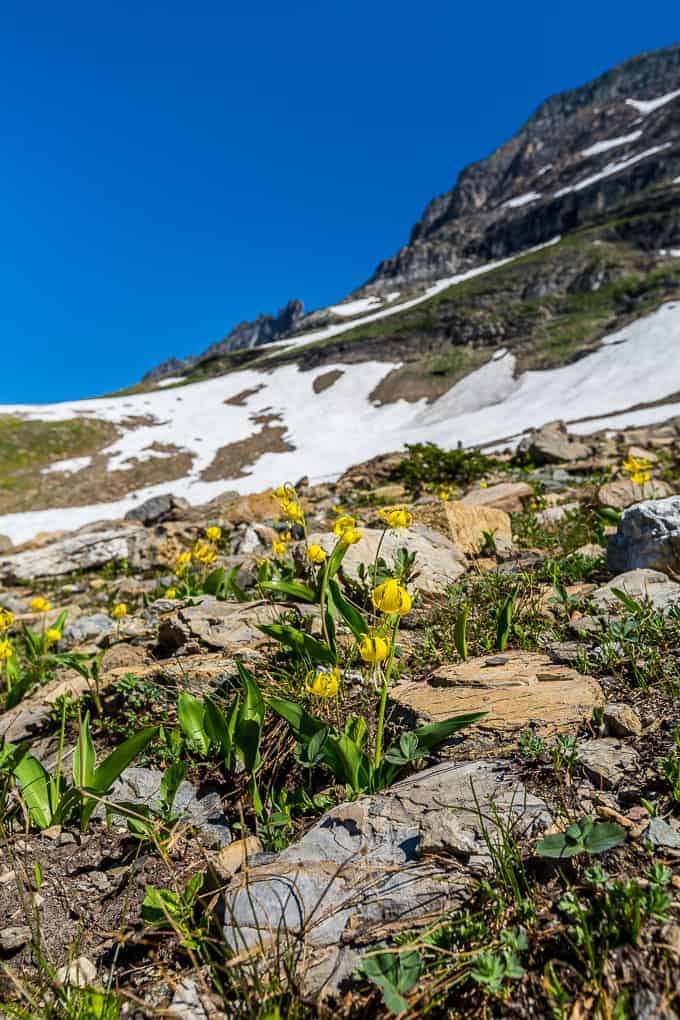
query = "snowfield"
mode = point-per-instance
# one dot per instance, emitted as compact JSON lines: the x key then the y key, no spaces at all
{"x":340,"y":426}
{"x":612,"y":143}
{"x":645,"y":106}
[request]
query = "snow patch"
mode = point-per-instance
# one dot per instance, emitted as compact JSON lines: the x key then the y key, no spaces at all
{"x":520,"y":200}
{"x":68,"y":467}
{"x":356,"y":307}
{"x":612,"y":143}
{"x":612,"y":168}
{"x":170,"y":381}
{"x":544,"y":170}
{"x":645,"y":106}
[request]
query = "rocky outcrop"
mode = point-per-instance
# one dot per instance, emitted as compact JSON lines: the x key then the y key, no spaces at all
{"x":648,"y":535}
{"x":90,"y":547}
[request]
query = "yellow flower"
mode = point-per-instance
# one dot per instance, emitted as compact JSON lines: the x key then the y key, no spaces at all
{"x":343,"y":523}
{"x":323,"y":683}
{"x":119,"y":611}
{"x":637,"y":469}
{"x":40,"y":605}
{"x":53,"y":635}
{"x":399,"y":517}
{"x":444,"y":495}
{"x":171,"y":593}
{"x":640,"y":477}
{"x":291,"y":509}
{"x":183,"y":561}
{"x":483,"y":484}
{"x":213,"y":534}
{"x":6,"y":650}
{"x":285,"y":536}
{"x":279,"y":548}
{"x":204,"y":553}
{"x":373,"y":648}
{"x":391,"y":597}
{"x":350,"y":536}
{"x":6,"y":619}
{"x":315,"y":554}
{"x":285,"y":491}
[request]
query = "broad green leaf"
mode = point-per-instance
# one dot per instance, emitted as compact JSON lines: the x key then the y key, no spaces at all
{"x":351,"y":758}
{"x":296,"y":589}
{"x":253,"y":703}
{"x":628,"y":601}
{"x":36,"y":790}
{"x":335,"y":559}
{"x":303,"y":725}
{"x":170,"y":782}
{"x":435,"y":733}
{"x":214,"y":582}
{"x":191,"y":716}
{"x":299,"y":641}
{"x":604,"y":836}
{"x":350,"y":614}
{"x":395,"y":974}
{"x":557,"y":846}
{"x":84,"y":757}
{"x":504,"y":621}
{"x":110,"y":769}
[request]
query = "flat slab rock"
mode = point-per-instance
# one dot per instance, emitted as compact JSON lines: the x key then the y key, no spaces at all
{"x":643,"y":585}
{"x":221,"y":624}
{"x":375,"y":865}
{"x":608,"y":761}
{"x":517,"y":689}
{"x":81,"y":551}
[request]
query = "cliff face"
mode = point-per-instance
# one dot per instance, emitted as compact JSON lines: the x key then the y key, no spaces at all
{"x":583,"y":152}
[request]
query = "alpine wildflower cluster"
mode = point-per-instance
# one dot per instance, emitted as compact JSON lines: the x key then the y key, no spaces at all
{"x":637,"y":469}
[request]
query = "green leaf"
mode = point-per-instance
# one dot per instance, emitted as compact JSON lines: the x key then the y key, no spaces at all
{"x":351,"y":758}
{"x":191,"y":716}
{"x":504,"y":621}
{"x":352,"y":617}
{"x":220,"y":728}
{"x":628,"y":601}
{"x":84,"y":757}
{"x":214,"y":582}
{"x":299,"y":642}
{"x":253,"y":704}
{"x":296,"y":589}
{"x":110,"y":769}
{"x":36,"y":790}
{"x":303,"y":725}
{"x":170,"y":782}
{"x":435,"y":733}
{"x":334,"y":560}
{"x":460,"y":634}
{"x":395,"y":974}
{"x":557,"y":846}
{"x":604,"y":836}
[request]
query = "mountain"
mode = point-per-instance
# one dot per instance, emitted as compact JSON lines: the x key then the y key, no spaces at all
{"x":544,"y":285}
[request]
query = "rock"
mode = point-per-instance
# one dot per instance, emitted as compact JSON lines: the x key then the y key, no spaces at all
{"x":388,"y":495}
{"x":14,"y":938}
{"x":131,"y":657}
{"x":231,"y":858}
{"x":156,"y":509}
{"x":468,"y":523}
{"x":640,"y":453}
{"x":554,"y":514}
{"x":81,"y":972}
{"x":552,"y":444}
{"x":528,"y":688}
{"x":142,"y":786}
{"x":186,"y":1002}
{"x":85,"y":550}
{"x":643,"y":585}
{"x":607,"y":761}
{"x":660,"y":833}
{"x":508,"y":496}
{"x":624,"y":492}
{"x":438,"y":560}
{"x":590,"y":551}
{"x":89,"y":629}
{"x":220,"y":624}
{"x":249,"y":542}
{"x":362,"y":871}
{"x":621,"y":720}
{"x":649,"y":1005}
{"x":5,"y":544}
{"x":159,"y":545}
{"x":648,"y":535}
{"x":258,"y":506}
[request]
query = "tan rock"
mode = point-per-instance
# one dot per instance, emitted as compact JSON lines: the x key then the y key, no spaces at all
{"x":467,"y":524}
{"x":641,"y":453}
{"x":122,"y":654}
{"x":623,"y":492}
{"x":258,"y":506}
{"x":232,"y":858}
{"x":525,"y":688}
{"x":392,"y":493}
{"x":508,"y":496}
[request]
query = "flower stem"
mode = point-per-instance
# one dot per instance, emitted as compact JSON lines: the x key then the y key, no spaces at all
{"x":377,"y":758}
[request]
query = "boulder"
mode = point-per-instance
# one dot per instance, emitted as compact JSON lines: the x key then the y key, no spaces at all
{"x":156,"y":509}
{"x":552,"y":444}
{"x":517,"y":689}
{"x":624,"y":492}
{"x":621,"y":720}
{"x":648,"y":535}
{"x":363,"y":870}
{"x":555,"y":514}
{"x":84,"y":550}
{"x":438,"y":560}
{"x":228,"y":625}
{"x":467,"y":524}
{"x":508,"y":496}
{"x":643,"y":585}
{"x":89,"y":629}
{"x":140,"y":785}
{"x":607,"y":761}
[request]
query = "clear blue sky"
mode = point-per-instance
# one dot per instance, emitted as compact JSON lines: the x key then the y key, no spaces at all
{"x":170,"y":169}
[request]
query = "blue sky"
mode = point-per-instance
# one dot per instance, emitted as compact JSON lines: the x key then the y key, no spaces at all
{"x":172,"y":169}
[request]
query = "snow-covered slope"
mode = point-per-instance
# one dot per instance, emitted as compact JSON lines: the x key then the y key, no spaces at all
{"x":338,"y":426}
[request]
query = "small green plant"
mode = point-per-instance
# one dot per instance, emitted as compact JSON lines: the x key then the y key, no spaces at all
{"x":395,"y":973}
{"x":670,"y":766}
{"x":177,"y":910}
{"x":460,"y":633}
{"x":531,"y":745}
{"x":492,"y":970}
{"x":584,"y":836}
{"x":504,"y":621}
{"x":427,"y":465}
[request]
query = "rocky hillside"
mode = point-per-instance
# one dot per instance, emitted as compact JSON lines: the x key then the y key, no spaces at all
{"x":403,"y":744}
{"x":545,"y":285}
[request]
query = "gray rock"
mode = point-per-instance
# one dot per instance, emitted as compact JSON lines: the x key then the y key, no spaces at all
{"x":156,"y":509}
{"x":5,"y":544}
{"x":552,"y":444}
{"x":85,"y":550}
{"x":14,"y":938}
{"x":364,"y":865}
{"x":142,"y":786}
{"x":660,"y":833}
{"x":89,"y":629}
{"x":607,"y":761}
{"x":555,"y":514}
{"x":624,"y":492}
{"x":438,"y":559}
{"x":219,"y":624}
{"x":643,"y":585}
{"x":621,"y":720}
{"x":648,"y":535}
{"x":186,"y":1002}
{"x":649,"y":1005}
